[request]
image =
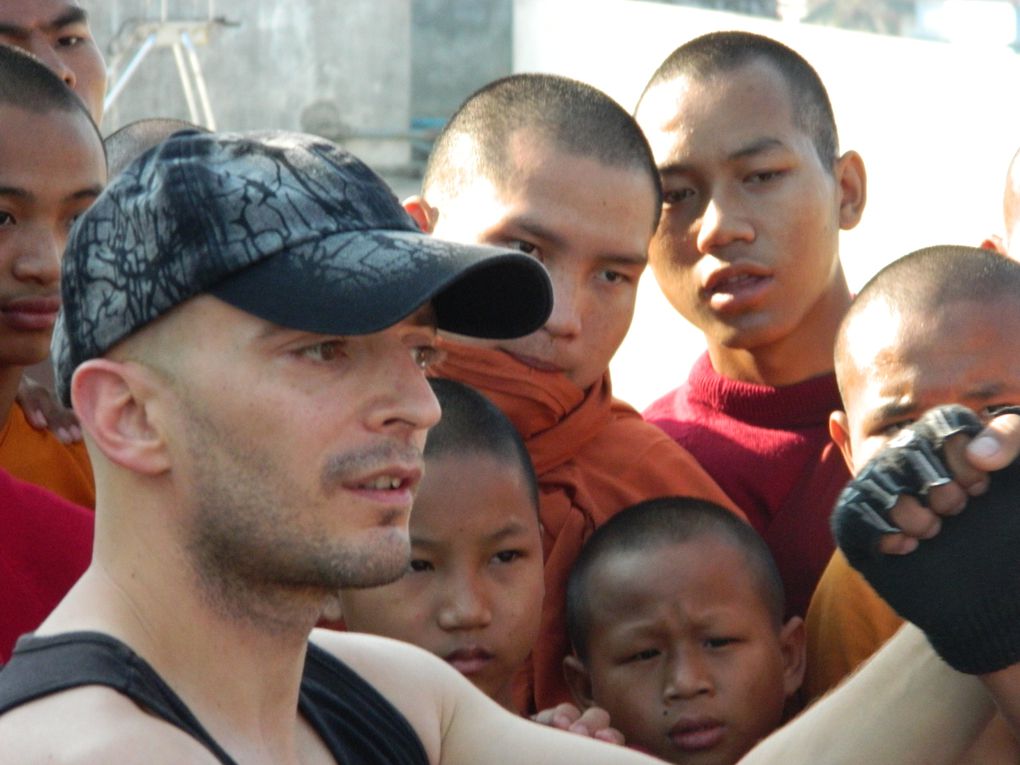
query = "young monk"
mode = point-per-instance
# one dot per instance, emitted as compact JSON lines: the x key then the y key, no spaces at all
{"x":675,"y":612}
{"x":473,"y":592}
{"x":935,"y":327}
{"x":557,"y":169}
{"x":747,"y":249}
{"x":52,"y":167}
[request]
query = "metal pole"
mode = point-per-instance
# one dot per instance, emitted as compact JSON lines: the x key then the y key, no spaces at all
{"x":196,"y":71}
{"x":129,"y":71}
{"x":182,"y":71}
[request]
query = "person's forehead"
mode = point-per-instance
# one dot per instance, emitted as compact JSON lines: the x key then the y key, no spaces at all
{"x":31,"y":14}
{"x":479,"y":492}
{"x":962,"y":349}
{"x":703,"y":578}
{"x":744,"y":100}
{"x":78,"y":148}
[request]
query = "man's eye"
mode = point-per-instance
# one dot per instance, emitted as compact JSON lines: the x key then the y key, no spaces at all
{"x":645,"y":655}
{"x":612,"y":277}
{"x":526,"y":247}
{"x":327,"y":351}
{"x":69,"y":41}
{"x":994,"y":410}
{"x":676,"y":196}
{"x":417,"y":565}
{"x":719,"y":642}
{"x":892,"y":428}
{"x":6,"y":219}
{"x":764,"y":176}
{"x":426,"y":356}
{"x":508,"y":556}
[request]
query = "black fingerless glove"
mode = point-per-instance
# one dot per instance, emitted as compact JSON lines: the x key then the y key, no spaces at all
{"x":962,"y":587}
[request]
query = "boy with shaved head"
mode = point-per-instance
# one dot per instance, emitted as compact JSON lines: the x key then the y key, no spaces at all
{"x":57,"y":33}
{"x":934,"y":327}
{"x":747,"y":249}
{"x":51,"y":168}
{"x":556,"y":169}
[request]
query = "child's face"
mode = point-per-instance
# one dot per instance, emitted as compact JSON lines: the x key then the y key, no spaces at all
{"x":684,"y":654}
{"x":473,"y":592}
{"x":588,"y":223}
{"x":746,"y":247}
{"x":51,"y":169}
{"x":899,"y":366}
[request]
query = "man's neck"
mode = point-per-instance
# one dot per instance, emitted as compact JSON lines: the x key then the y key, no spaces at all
{"x":239,"y":679}
{"x":804,"y":353}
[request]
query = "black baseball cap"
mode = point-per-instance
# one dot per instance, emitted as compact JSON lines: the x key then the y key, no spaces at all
{"x":288,"y":227}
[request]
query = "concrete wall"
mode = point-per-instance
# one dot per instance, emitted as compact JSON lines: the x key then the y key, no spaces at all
{"x":367,"y":68}
{"x":319,"y":64}
{"x":457,"y":47}
{"x":936,"y":124}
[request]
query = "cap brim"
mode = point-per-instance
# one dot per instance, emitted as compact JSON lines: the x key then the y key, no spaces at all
{"x":356,"y":283}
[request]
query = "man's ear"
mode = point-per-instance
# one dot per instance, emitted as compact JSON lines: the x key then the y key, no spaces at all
{"x":424,"y":214}
{"x":792,"y":643}
{"x":112,"y":401}
{"x":853,"y":189}
{"x":994,"y":243}
{"x":839,"y":432}
{"x":578,"y":681}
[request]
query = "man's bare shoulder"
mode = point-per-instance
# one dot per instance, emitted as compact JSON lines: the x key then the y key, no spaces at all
{"x":90,"y":725}
{"x":421,"y":686}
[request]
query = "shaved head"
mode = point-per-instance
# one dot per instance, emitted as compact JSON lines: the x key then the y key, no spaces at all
{"x":577,"y":117}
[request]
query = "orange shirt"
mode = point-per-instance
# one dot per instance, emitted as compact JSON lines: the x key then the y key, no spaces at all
{"x":594,"y":456}
{"x":38,"y":456}
{"x":847,"y":621}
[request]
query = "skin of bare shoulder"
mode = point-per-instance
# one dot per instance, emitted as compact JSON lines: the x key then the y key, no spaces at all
{"x":94,"y":725}
{"x":456,"y":722}
{"x":412,"y":679}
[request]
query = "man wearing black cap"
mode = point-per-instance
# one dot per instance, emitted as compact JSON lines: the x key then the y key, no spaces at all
{"x":227,"y":516}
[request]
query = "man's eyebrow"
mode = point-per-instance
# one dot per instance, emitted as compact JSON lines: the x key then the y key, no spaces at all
{"x":14,"y":191}
{"x":72,"y":15}
{"x":545,"y":234}
{"x":894,"y":410}
{"x":511,"y":529}
{"x":538,"y":230}
{"x":90,"y":192}
{"x":758,"y":146}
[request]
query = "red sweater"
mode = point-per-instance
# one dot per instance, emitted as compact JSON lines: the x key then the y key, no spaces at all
{"x":45,"y":545}
{"x":769,"y":450}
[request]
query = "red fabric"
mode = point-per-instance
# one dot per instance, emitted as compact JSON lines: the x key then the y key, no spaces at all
{"x":45,"y":545}
{"x":769,"y":449}
{"x":594,"y":456}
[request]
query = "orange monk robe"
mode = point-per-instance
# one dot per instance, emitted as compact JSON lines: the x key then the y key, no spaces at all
{"x":847,"y":621}
{"x":594,"y":456}
{"x":38,"y":456}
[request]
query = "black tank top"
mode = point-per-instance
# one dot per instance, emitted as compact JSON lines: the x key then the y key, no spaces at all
{"x":354,"y":721}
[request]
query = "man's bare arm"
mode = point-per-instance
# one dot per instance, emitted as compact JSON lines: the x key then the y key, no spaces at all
{"x":905,"y":706}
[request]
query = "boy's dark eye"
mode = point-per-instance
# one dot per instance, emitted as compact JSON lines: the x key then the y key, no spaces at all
{"x":719,"y":642}
{"x":418,"y":565}
{"x":508,"y":556}
{"x":996,"y":409}
{"x":644,"y":655}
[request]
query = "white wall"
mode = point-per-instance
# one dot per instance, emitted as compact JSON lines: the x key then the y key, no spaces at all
{"x":936,"y":124}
